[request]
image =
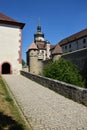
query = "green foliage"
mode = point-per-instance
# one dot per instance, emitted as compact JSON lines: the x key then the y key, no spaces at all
{"x":64,"y":70}
{"x":23,"y":62}
{"x":8,"y":99}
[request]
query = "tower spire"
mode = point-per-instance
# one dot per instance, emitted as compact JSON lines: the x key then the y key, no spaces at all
{"x":39,"y":36}
{"x":38,"y":27}
{"x":38,"y":21}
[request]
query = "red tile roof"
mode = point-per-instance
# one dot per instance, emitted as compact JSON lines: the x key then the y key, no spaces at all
{"x":9,"y":21}
{"x":6,"y":18}
{"x":33,"y":46}
{"x":52,"y":47}
{"x":57,"y":50}
{"x":73,"y":37}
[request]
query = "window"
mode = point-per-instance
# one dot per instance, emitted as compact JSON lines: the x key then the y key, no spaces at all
{"x":43,"y":52}
{"x":69,"y":45}
{"x":65,"y":47}
{"x":31,"y":54}
{"x":84,"y":40}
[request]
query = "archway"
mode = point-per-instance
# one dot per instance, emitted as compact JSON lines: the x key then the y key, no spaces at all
{"x":6,"y":68}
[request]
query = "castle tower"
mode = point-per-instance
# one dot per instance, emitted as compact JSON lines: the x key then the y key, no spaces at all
{"x":38,"y":36}
{"x":34,"y":64}
{"x":38,"y":52}
{"x":32,"y":57}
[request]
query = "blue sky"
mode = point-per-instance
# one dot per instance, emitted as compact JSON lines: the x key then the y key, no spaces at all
{"x":58,"y":18}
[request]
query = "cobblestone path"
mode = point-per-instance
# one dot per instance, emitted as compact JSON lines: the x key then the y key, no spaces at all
{"x":45,"y":109}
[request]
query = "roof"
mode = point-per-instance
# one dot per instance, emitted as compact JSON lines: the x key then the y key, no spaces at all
{"x":57,"y":50}
{"x":33,"y":46}
{"x":9,"y":21}
{"x":52,"y":47}
{"x":73,"y":37}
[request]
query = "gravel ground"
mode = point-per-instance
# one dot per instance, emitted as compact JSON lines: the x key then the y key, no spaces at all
{"x":45,"y":109}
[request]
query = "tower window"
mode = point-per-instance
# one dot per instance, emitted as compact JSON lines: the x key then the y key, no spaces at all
{"x":43,"y":52}
{"x":31,"y":53}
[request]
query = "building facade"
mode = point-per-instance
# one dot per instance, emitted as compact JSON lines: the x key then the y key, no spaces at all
{"x":10,"y":45}
{"x":74,"y":42}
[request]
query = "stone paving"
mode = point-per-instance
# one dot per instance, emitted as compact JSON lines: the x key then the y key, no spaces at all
{"x":45,"y":109}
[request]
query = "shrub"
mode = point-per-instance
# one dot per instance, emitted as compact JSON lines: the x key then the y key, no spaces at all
{"x":64,"y":70}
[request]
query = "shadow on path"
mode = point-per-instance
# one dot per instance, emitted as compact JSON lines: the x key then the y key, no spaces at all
{"x":7,"y":123}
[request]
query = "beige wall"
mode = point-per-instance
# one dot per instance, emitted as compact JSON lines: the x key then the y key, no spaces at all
{"x":10,"y":47}
{"x":56,"y":57}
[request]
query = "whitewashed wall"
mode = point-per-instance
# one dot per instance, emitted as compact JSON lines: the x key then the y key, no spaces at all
{"x":10,"y":47}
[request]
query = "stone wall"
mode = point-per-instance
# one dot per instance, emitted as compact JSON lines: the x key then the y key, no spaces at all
{"x":78,"y":57}
{"x":70,"y":91}
{"x":56,"y":57}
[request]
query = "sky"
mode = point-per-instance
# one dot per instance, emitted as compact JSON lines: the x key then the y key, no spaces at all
{"x":58,"y":18}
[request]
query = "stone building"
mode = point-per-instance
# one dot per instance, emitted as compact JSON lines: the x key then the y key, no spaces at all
{"x":40,"y":51}
{"x":10,"y":45}
{"x":74,"y":42}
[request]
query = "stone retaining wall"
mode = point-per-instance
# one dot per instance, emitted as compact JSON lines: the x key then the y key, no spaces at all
{"x":70,"y":91}
{"x":78,"y":57}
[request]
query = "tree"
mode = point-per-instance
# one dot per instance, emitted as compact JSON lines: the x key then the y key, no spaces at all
{"x":64,"y":70}
{"x":23,"y":62}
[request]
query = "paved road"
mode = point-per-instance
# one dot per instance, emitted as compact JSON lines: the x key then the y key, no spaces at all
{"x":45,"y":109}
